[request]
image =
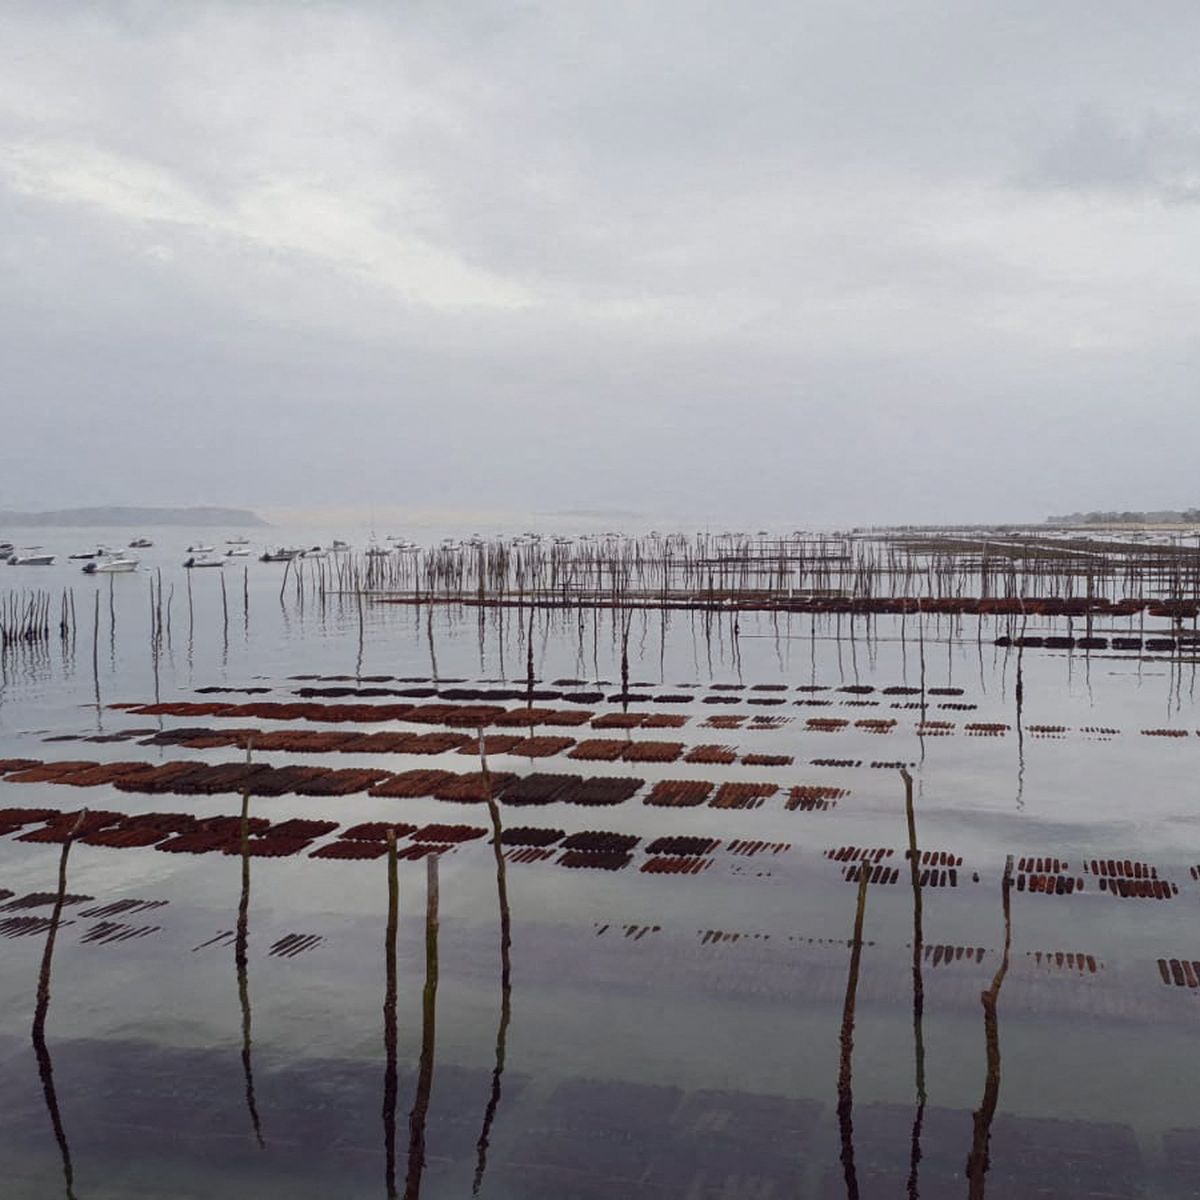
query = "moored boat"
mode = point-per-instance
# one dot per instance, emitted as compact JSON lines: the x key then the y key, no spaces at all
{"x":192,"y":562}
{"x":31,"y":560}
{"x":117,"y":564}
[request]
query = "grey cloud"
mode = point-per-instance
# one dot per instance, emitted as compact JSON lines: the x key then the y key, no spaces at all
{"x":819,"y":261}
{"x":1155,"y":157}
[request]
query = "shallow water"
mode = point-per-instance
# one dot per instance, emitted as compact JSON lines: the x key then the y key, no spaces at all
{"x":670,"y":1035}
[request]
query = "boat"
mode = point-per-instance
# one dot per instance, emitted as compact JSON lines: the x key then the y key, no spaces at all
{"x":82,"y":554}
{"x":339,"y":547}
{"x":281,"y":554}
{"x":31,"y":560}
{"x":237,"y":552}
{"x":203,"y":562}
{"x":377,"y":552}
{"x":237,"y":541}
{"x":116,"y":564}
{"x":140,"y":544}
{"x":200,"y":549}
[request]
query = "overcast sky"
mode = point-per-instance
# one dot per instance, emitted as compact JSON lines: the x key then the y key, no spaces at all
{"x":802,"y":261}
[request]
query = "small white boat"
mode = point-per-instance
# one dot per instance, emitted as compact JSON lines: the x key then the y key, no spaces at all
{"x":117,"y":564}
{"x":200,"y":549}
{"x":237,"y":541}
{"x":203,"y":562}
{"x":280,"y":555}
{"x":237,"y":552}
{"x":31,"y":560}
{"x":140,"y":544}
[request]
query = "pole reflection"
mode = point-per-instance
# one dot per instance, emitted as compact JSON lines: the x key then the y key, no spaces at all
{"x":42,"y":1007}
{"x":493,"y":1103}
{"x":241,"y":959}
{"x":978,"y":1160}
{"x":419,"y":1114}
{"x":845,"y":1092}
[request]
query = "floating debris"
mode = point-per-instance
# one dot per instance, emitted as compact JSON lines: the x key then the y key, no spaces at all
{"x":1049,"y":884}
{"x":377,"y":831}
{"x":358,"y":848}
{"x":711,"y":754}
{"x":600,"y":861}
{"x":601,"y":791}
{"x":683,"y":845}
{"x":14,"y":927}
{"x":600,"y":841}
{"x":293,"y":944}
{"x":943,"y":955}
{"x":541,"y":747}
{"x":539,"y":789}
{"x":878,"y":874}
{"x":874,"y":854}
{"x":748,"y":849}
{"x":1177,"y":972}
{"x":679,"y":793}
{"x":743,"y":795}
{"x":814,"y":797}
{"x":599,"y":750}
{"x":661,"y":752}
{"x":448,"y":834}
{"x":529,"y":835}
{"x":672,"y":864}
{"x":118,"y":907}
{"x":528,"y":854}
{"x":732,"y":721}
{"x":412,"y":784}
{"x":935,"y":728}
{"x":107,"y":932}
{"x":473,"y":788}
{"x":1060,"y":960}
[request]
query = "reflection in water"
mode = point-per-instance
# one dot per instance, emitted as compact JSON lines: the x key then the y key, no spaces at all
{"x":845,"y":1104}
{"x":112,"y":624}
{"x":40,"y":1049}
{"x":420,"y":1108}
{"x":918,"y":946}
{"x":505,"y":970}
{"x":358,"y":661}
{"x":433,"y":666}
{"x":96,"y":659}
{"x":978,"y":1160}
{"x":1020,"y":697}
{"x":191,"y":638}
{"x":389,"y":1018}
{"x":240,"y":958}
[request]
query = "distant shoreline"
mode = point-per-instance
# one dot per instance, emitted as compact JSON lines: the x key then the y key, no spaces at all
{"x":112,"y":517}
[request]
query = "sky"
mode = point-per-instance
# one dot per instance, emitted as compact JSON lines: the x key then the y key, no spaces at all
{"x":804,"y":262}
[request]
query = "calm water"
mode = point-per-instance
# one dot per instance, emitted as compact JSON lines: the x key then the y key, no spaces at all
{"x":666,"y":1035}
